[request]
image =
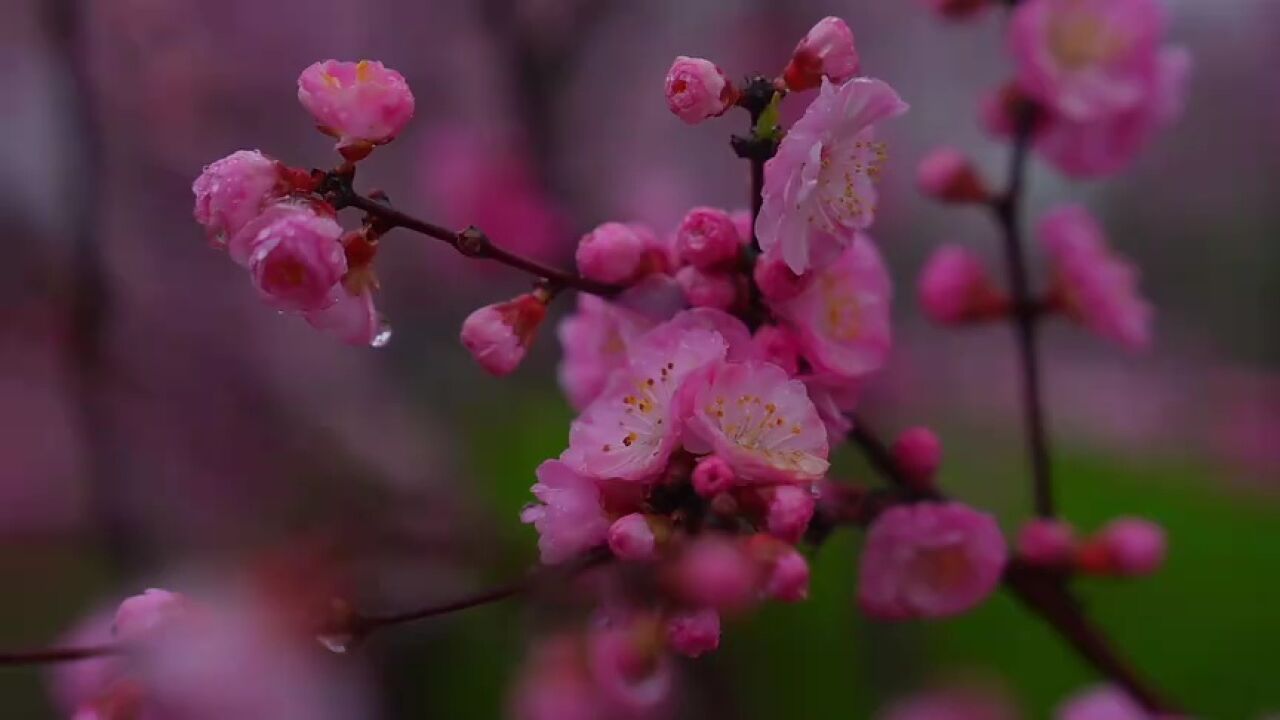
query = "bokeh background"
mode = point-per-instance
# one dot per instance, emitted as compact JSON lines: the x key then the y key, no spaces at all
{"x":157,"y":422}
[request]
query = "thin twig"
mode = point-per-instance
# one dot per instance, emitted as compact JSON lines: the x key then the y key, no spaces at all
{"x":49,"y":656}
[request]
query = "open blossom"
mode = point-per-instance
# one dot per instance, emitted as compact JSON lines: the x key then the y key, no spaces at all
{"x":630,"y":670}
{"x":929,"y":560}
{"x":1091,"y":284}
{"x":611,"y":253}
{"x":820,"y":187}
{"x":632,"y":428}
{"x":362,"y":104}
{"x":594,"y":341}
{"x":697,"y":89}
{"x":1086,"y":59}
{"x":761,"y":421}
{"x":708,"y":288}
{"x":499,"y":335}
{"x":297,"y":259}
{"x":233,"y":191}
{"x":569,"y":520}
{"x":841,"y":320}
{"x":1103,"y":702}
{"x":708,"y":238}
{"x":141,"y":615}
{"x":827,"y":50}
{"x":955,"y":287}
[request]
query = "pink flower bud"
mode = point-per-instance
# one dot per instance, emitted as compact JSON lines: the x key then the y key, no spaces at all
{"x":958,"y":9}
{"x":789,"y":511}
{"x":144,"y":614}
{"x":715,"y":572}
{"x":712,"y":476}
{"x":296,"y":258}
{"x":499,"y":335}
{"x":631,"y":538}
{"x":611,"y":253}
{"x":743,"y":222}
{"x":362,"y":104}
{"x":777,"y":345}
{"x":827,"y":50}
{"x":788,"y":579}
{"x":776,"y":280}
{"x":708,"y":289}
{"x":694,"y":632}
{"x":353,"y":319}
{"x":697,"y":90}
{"x":954,"y":288}
{"x":1044,"y":541}
{"x":1126,"y":547}
{"x":918,"y":454}
{"x":708,"y":238}
{"x":233,"y":191}
{"x":946,"y":174}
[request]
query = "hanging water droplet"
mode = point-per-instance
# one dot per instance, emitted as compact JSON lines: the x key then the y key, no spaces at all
{"x":338,"y":644}
{"x":383,"y":336}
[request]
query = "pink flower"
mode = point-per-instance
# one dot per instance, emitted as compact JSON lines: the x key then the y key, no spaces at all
{"x":948,"y":175}
{"x":632,"y":538}
{"x":715,"y":572}
{"x":611,"y":253}
{"x":790,"y":508}
{"x":692,"y":633}
{"x":153,"y":610}
{"x":712,"y":476}
{"x":762,"y":422}
{"x":632,"y":428}
{"x":353,"y":319}
{"x":733,"y":330}
{"x":595,"y":340}
{"x":708,"y":288}
{"x":776,"y":281}
{"x":554,"y":684}
{"x":1090,"y":284}
{"x":955,"y":288}
{"x":628,"y":667}
{"x":1086,"y":59}
{"x":499,"y":335}
{"x":918,"y":454}
{"x":1127,"y":547}
{"x":697,"y":90}
{"x":570,"y":519}
{"x":834,"y":397}
{"x":929,"y":560}
{"x":826,"y":51}
{"x":786,"y":571}
{"x":708,"y":238}
{"x":297,"y":258}
{"x":819,"y":189}
{"x":233,"y":191}
{"x":778,"y":345}
{"x":362,"y":104}
{"x":1045,"y":541}
{"x":842,"y":319}
{"x":1103,"y":702}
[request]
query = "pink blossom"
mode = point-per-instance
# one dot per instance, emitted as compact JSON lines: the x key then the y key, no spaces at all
{"x":708,"y":238}
{"x":819,"y":189}
{"x":743,"y":222}
{"x":632,"y":428}
{"x":1086,"y":59}
{"x":554,"y":684}
{"x":233,"y":191}
{"x":362,"y":104}
{"x":611,"y":253}
{"x":778,"y":345}
{"x":1127,"y":547}
{"x":632,"y":538}
{"x":762,"y":422}
{"x":842,"y":319}
{"x":714,"y":571}
{"x":499,"y":335}
{"x":1046,"y":541}
{"x":142,"y":615}
{"x":929,"y":560}
{"x":1091,"y":284}
{"x":595,"y":340}
{"x":787,"y":579}
{"x":955,"y":287}
{"x":296,"y":258}
{"x":827,"y":50}
{"x":1103,"y":702}
{"x":351,"y":318}
{"x":776,"y":281}
{"x":712,"y":476}
{"x":708,"y":288}
{"x":834,"y":397}
{"x":790,"y":508}
{"x":697,"y":89}
{"x":948,"y":175}
{"x":570,"y":519}
{"x":694,"y":632}
{"x":630,"y":671}
{"x":918,"y":453}
{"x":731,"y":329}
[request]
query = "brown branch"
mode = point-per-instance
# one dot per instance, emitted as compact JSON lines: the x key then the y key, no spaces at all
{"x":49,"y":656}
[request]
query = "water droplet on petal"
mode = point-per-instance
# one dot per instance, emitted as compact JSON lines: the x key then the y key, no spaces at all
{"x":338,"y":644}
{"x":383,"y":335}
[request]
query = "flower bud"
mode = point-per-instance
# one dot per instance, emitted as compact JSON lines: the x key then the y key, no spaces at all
{"x":777,"y":345}
{"x":713,"y":571}
{"x":631,"y":538}
{"x":1045,"y":541}
{"x":296,"y":258}
{"x":694,"y":632}
{"x":1126,"y":547}
{"x":918,"y":453}
{"x":611,"y":253}
{"x":777,"y":282}
{"x":697,"y":89}
{"x":788,"y":579}
{"x":233,"y":191}
{"x":947,"y":175}
{"x":789,"y":511}
{"x":362,"y":104}
{"x":499,"y":335}
{"x":708,"y":238}
{"x":955,"y":288}
{"x":708,"y":288}
{"x":827,"y":50}
{"x":713,"y":476}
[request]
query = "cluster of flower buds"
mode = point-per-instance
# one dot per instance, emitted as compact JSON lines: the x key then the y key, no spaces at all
{"x":272,"y":221}
{"x":1124,"y":547}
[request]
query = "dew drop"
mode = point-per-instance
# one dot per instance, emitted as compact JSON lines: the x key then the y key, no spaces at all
{"x":338,"y":644}
{"x":383,"y":336}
